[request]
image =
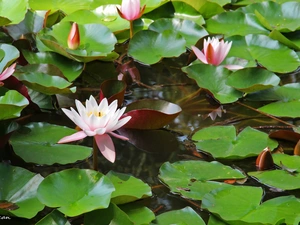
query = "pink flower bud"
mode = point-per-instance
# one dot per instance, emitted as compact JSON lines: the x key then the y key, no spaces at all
{"x":74,"y":37}
{"x":131,"y":10}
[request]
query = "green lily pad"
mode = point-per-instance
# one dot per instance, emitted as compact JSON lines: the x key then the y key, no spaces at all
{"x":187,"y":12}
{"x":96,"y":41}
{"x":291,"y":42}
{"x":189,"y":30}
{"x":273,"y":15}
{"x":138,"y":213}
{"x":252,"y":79}
{"x":186,"y":216}
{"x":70,"y":68}
{"x":235,"y":23}
{"x":222,"y":142}
{"x":18,"y":188}
{"x":11,"y":54}
{"x":150,"y":47}
{"x":270,"y":53}
{"x":12,"y":103}
{"x":76,"y":191}
{"x":13,"y":10}
{"x":128,"y":188}
{"x":54,"y":218}
{"x":36,"y":143}
{"x":184,"y":178}
{"x":214,"y":79}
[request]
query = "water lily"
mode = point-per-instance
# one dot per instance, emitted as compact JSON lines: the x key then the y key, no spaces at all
{"x":131,"y":10}
{"x":7,"y":73}
{"x":74,"y":37}
{"x":98,"y":121}
{"x":214,"y":52}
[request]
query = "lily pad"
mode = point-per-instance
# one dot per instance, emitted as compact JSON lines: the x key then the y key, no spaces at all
{"x":193,"y":179}
{"x":150,"y":47}
{"x":76,"y":191}
{"x":36,"y":143}
{"x":186,"y":216}
{"x":150,"y":114}
{"x":12,"y":103}
{"x":70,"y":68}
{"x":54,"y":218}
{"x":128,"y":188}
{"x":189,"y":30}
{"x":11,"y":54}
{"x":222,"y":142}
{"x":13,"y":10}
{"x":252,"y":79}
{"x":96,"y":41}
{"x":19,"y":189}
{"x":213,"y":79}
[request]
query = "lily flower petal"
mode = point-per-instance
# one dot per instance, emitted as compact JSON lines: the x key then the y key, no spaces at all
{"x":106,"y":147}
{"x":7,"y":72}
{"x":199,"y":54}
{"x":73,"y":137}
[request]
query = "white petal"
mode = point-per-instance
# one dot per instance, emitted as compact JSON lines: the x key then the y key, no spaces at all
{"x":74,"y":137}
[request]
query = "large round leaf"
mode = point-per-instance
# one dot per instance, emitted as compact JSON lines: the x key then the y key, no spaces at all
{"x":186,"y":216}
{"x":70,"y":68}
{"x":18,"y":188}
{"x":222,"y":142}
{"x":271,"y":54}
{"x":193,"y":179}
{"x":13,"y":10}
{"x":189,"y":30}
{"x":36,"y":142}
{"x":11,"y":104}
{"x":96,"y":41}
{"x":150,"y":114}
{"x":214,"y":79}
{"x":150,"y":47}
{"x":76,"y":191}
{"x":252,"y":79}
{"x":187,"y":12}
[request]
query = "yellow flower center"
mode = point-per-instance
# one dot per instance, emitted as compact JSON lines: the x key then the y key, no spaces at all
{"x":95,"y":113}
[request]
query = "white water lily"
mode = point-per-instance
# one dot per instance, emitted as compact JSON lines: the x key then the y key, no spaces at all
{"x":99,"y":121}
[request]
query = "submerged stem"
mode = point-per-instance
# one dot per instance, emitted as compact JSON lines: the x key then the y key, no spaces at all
{"x":95,"y":155}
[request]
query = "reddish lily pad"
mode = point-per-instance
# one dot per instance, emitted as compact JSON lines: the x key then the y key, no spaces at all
{"x":151,"y":114}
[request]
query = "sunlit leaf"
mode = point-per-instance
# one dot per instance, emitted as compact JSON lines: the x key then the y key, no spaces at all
{"x":252,"y":79}
{"x":187,"y":12}
{"x":222,"y":142}
{"x":37,"y":143}
{"x":185,"y":178}
{"x":150,"y":47}
{"x":290,"y":42}
{"x":186,"y":216}
{"x":138,"y":213}
{"x":214,"y":79}
{"x":19,"y":186}
{"x":189,"y":30}
{"x":150,"y":113}
{"x":62,"y":191}
{"x":13,"y":10}
{"x":12,"y":103}
{"x":128,"y":188}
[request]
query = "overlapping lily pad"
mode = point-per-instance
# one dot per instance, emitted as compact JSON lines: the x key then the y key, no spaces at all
{"x":12,"y":11}
{"x":54,"y":218}
{"x":193,"y":179}
{"x":19,"y":192}
{"x":222,"y":142}
{"x":61,"y":190}
{"x":11,"y":54}
{"x":37,"y":143}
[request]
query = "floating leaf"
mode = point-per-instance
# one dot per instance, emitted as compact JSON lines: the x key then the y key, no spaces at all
{"x":189,"y":30}
{"x":138,"y":213}
{"x":70,"y":68}
{"x":12,"y":103}
{"x":76,"y":191}
{"x":150,"y":47}
{"x":187,"y":12}
{"x":184,"y":178}
{"x":19,"y":187}
{"x":150,"y":114}
{"x":214,"y":79}
{"x":11,"y":54}
{"x":252,"y":79}
{"x":186,"y":216}
{"x":222,"y":142}
{"x":128,"y":188}
{"x":54,"y":218}
{"x":13,"y":10}
{"x":37,"y":143}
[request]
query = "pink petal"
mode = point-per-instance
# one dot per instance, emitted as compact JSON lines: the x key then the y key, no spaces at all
{"x":119,"y":136}
{"x":199,"y":54}
{"x":8,"y":72}
{"x":106,"y":147}
{"x":74,"y":137}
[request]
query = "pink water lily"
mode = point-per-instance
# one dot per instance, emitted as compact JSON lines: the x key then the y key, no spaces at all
{"x":7,"y":72}
{"x":214,"y":52}
{"x":131,"y":10}
{"x":98,"y":121}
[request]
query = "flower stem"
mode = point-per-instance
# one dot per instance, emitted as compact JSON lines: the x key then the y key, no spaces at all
{"x":95,"y":155}
{"x":131,"y":28}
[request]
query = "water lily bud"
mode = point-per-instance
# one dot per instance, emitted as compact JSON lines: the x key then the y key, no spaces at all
{"x":131,"y":10}
{"x":264,"y":160}
{"x":74,"y":37}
